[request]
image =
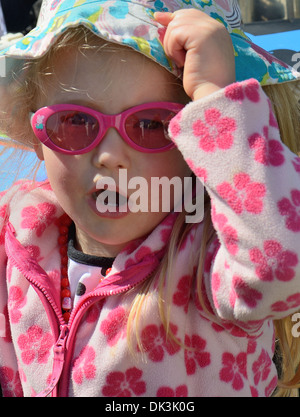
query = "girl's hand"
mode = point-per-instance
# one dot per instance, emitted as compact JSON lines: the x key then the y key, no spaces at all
{"x":202,"y":46}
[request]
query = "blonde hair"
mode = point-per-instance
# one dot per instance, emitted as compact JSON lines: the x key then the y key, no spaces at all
{"x":28,"y":85}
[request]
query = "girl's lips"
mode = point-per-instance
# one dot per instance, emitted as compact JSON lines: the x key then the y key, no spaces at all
{"x":108,"y":201}
{"x":111,"y":214}
{"x":108,"y":184}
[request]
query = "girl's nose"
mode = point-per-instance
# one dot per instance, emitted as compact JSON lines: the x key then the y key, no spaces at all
{"x":112,"y":151}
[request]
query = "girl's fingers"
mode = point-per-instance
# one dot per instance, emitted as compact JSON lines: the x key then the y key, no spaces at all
{"x":164,"y":18}
{"x":201,"y":45}
{"x":172,"y":42}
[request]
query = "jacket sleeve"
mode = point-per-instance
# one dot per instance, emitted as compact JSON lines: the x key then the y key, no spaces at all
{"x":231,"y":140}
{"x":9,"y":373}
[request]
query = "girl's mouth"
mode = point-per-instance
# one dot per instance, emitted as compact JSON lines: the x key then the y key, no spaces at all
{"x":107,"y":200}
{"x":110,"y":199}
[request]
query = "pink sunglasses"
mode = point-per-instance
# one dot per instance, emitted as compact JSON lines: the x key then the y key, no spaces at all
{"x":74,"y":130}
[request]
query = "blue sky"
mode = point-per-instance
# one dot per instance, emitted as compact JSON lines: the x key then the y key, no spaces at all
{"x":282,"y":40}
{"x":14,"y":167}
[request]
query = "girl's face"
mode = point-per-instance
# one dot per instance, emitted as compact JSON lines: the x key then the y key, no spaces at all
{"x":111,"y":83}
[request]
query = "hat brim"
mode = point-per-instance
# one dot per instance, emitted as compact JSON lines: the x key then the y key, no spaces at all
{"x":133,"y":25}
{"x":252,"y":61}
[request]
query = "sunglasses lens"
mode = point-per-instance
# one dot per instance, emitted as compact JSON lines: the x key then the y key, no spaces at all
{"x":72,"y":130}
{"x":149,"y":128}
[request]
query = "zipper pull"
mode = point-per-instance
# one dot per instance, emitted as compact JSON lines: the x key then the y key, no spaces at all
{"x":60,"y":346}
{"x":58,"y":360}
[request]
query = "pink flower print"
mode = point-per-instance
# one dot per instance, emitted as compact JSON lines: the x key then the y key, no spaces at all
{"x":119,"y":384}
{"x":196,"y":355}
{"x":219,"y":220}
{"x":229,"y":235}
{"x":114,"y":327}
{"x":38,"y":218}
{"x":215,"y":132}
{"x":5,"y":327}
{"x":35,"y":345}
{"x":11,"y":384}
{"x":271,"y":387}
{"x":84,"y":367}
{"x":230,"y":328}
{"x":182,"y":296}
{"x":291,"y":209}
{"x":174,"y":126}
{"x":292,"y":302}
{"x":155,"y":342}
{"x":274,"y":262}
{"x":35,"y":252}
{"x":45,"y":185}
{"x":3,"y":213}
{"x":211,"y":254}
{"x":215,"y":286}
{"x":296,"y":163}
{"x":93,"y":313}
{"x":234,"y":370}
{"x":166,"y":231}
{"x":267,"y":151}
{"x":188,"y":240}
{"x":138,"y":256}
{"x":272,"y":118}
{"x":2,"y":236}
{"x":205,"y":301}
{"x":254,"y":392}
{"x":262,"y":367}
{"x":16,"y":301}
{"x":238,"y":92}
{"x":199,"y":171}
{"x":230,"y":238}
{"x":244,"y":195}
{"x":142,"y":253}
{"x":251,"y":348}
{"x":55,"y":277}
{"x":180,"y":391}
{"x":243,"y":291}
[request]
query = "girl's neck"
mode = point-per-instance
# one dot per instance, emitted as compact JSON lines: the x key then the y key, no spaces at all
{"x":84,"y":244}
{"x":83,"y":258}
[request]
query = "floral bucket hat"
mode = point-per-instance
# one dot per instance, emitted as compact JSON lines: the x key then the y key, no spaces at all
{"x":131,"y":22}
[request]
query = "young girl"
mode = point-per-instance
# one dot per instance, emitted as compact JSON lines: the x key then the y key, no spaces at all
{"x":126,"y":303}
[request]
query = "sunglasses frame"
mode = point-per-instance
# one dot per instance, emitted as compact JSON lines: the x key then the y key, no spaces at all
{"x":105,"y":121}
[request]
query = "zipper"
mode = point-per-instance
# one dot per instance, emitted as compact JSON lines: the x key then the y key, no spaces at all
{"x":76,"y":317}
{"x":63,"y":348}
{"x":58,"y":361}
